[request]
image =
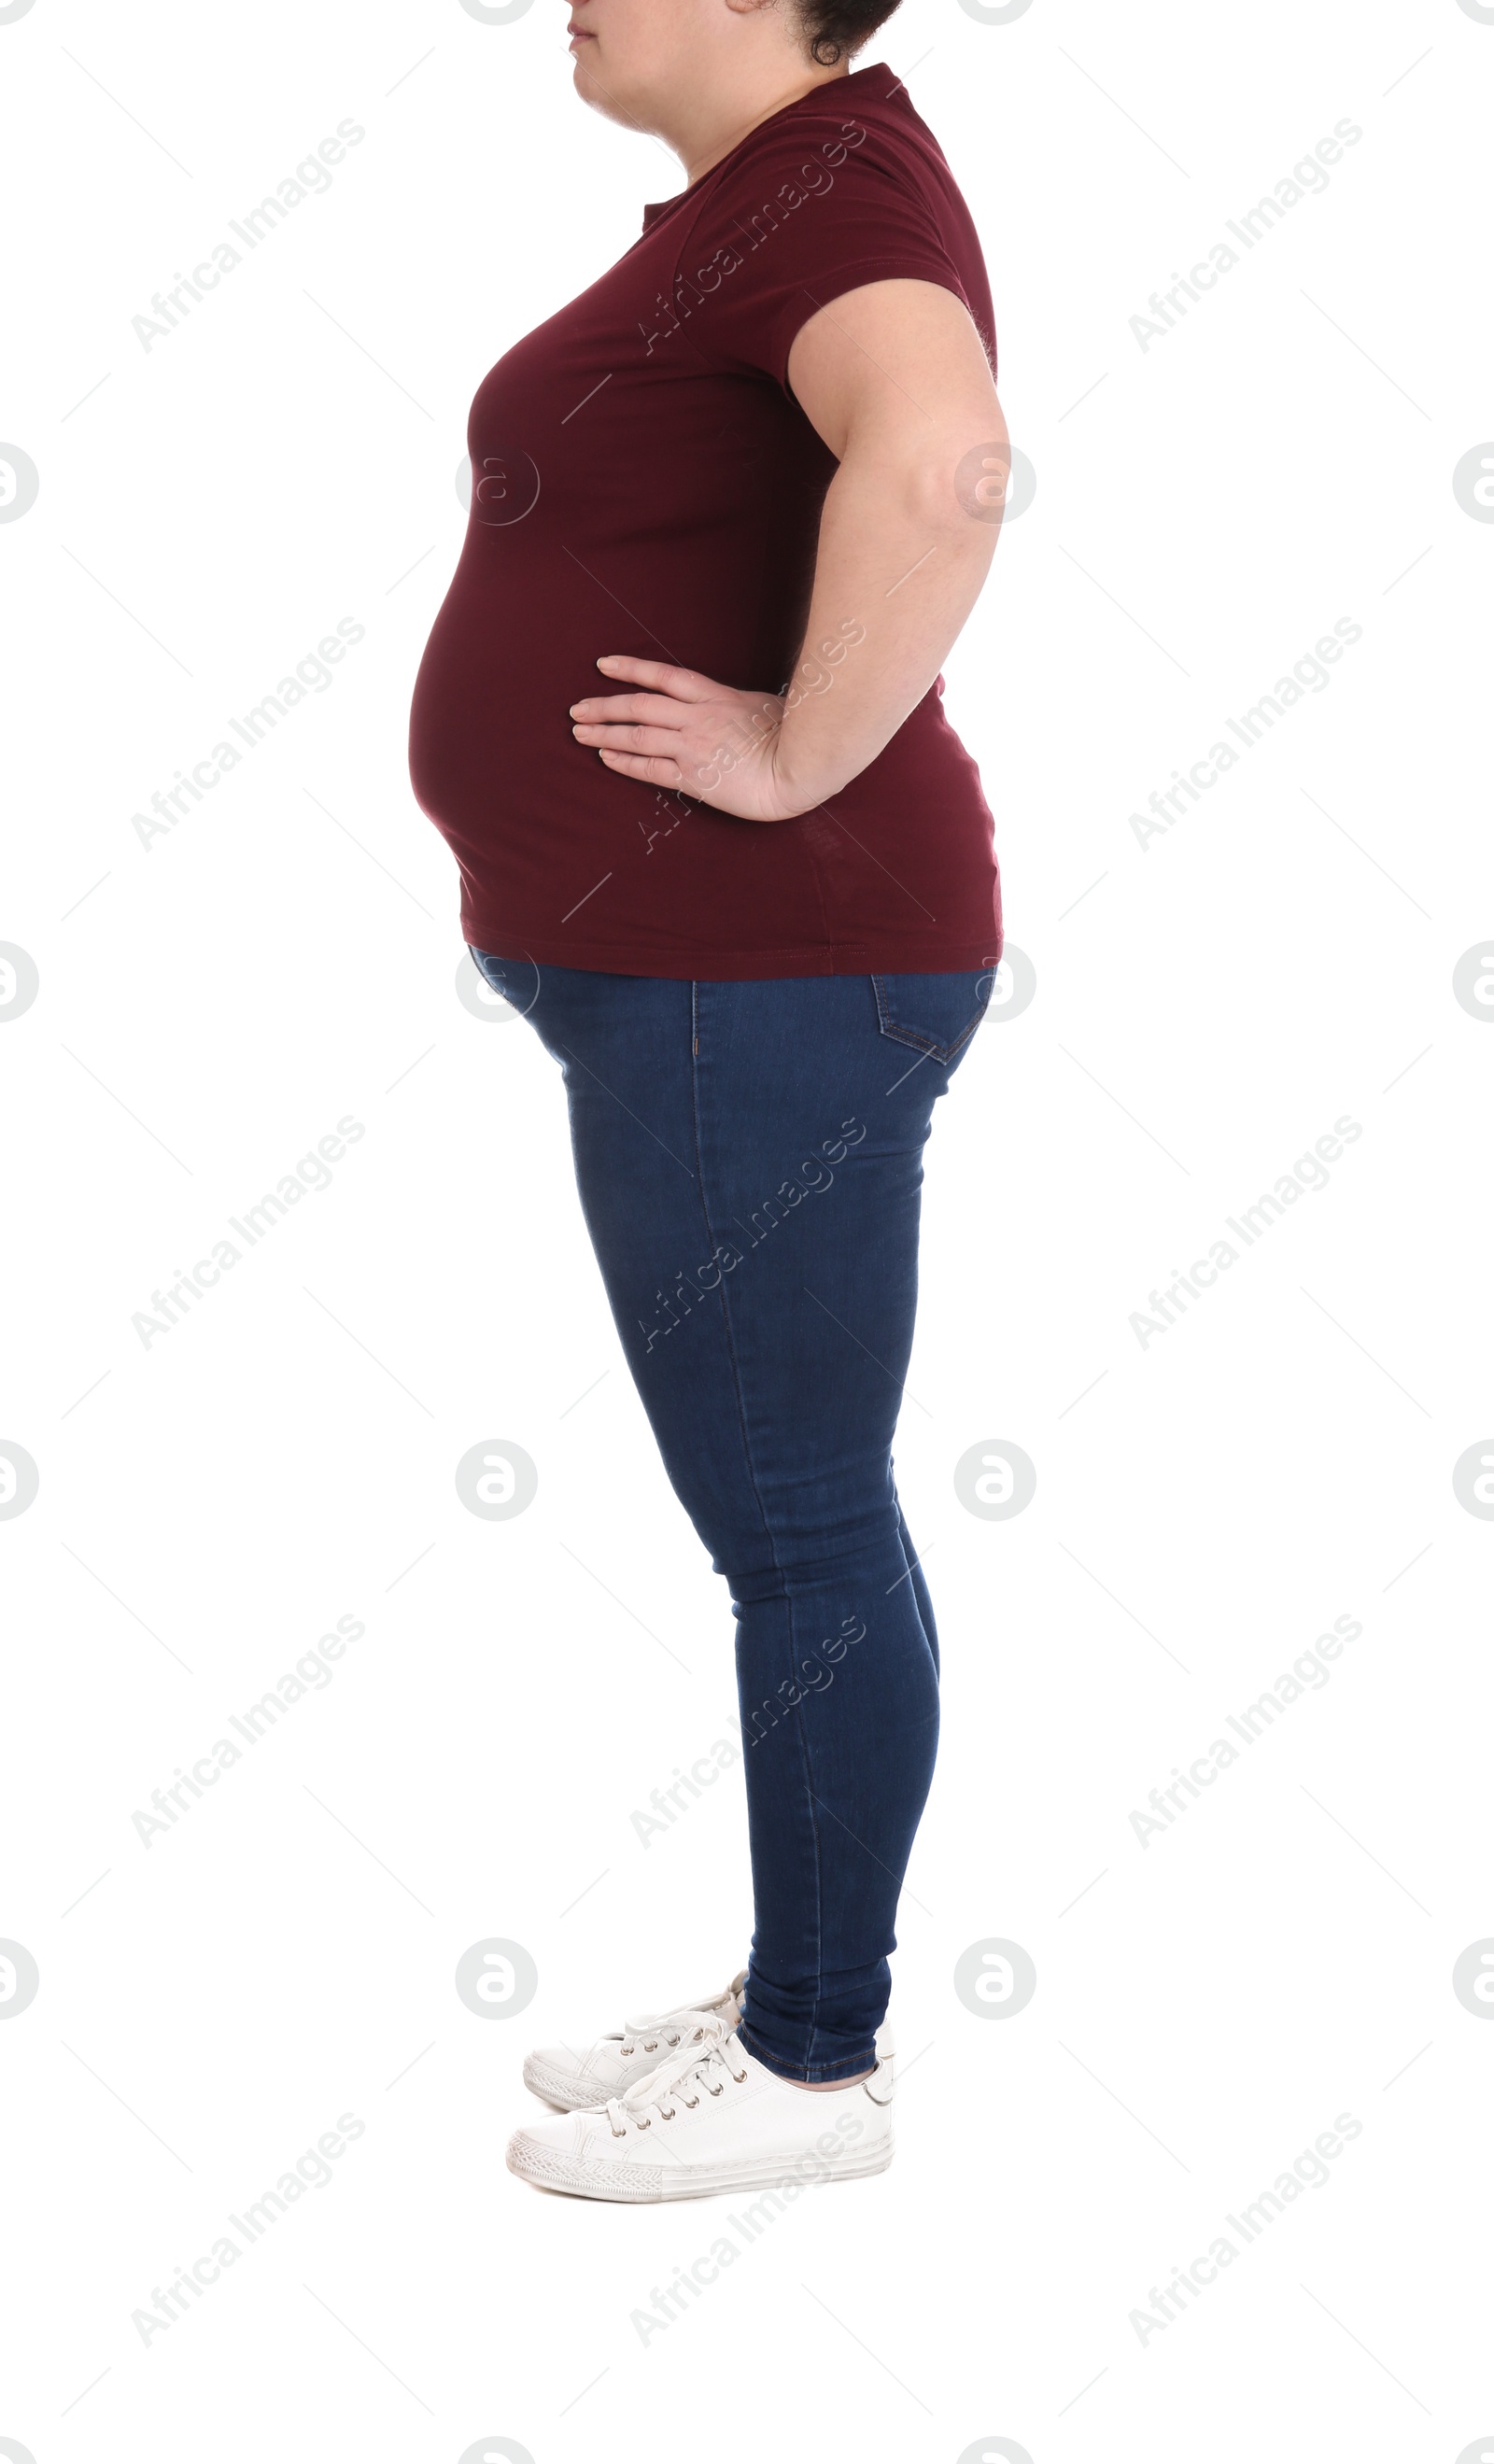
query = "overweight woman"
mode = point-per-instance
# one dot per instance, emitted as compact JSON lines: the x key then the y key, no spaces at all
{"x":680,"y":719}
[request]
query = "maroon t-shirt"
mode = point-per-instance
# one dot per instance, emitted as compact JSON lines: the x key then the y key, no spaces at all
{"x":644,"y":483}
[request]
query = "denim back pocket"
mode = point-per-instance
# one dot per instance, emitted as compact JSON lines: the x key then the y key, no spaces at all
{"x":515,"y":980}
{"x":935,"y":1015}
{"x":493,"y":971}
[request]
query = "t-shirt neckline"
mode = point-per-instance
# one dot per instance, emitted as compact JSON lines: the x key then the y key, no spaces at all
{"x":834,"y":86}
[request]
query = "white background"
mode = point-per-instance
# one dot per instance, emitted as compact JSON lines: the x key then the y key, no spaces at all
{"x":1207,"y":1006}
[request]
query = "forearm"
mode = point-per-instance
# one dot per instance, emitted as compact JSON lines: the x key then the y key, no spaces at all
{"x":900,"y":565}
{"x":896,"y":383}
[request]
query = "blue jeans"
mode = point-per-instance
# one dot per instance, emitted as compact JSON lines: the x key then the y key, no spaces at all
{"x":750,"y":1157}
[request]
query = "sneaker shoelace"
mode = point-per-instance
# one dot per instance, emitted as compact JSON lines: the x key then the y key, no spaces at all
{"x":653,"y":2028}
{"x":694,"y":2066}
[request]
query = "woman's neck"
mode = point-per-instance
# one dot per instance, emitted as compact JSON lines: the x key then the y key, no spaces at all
{"x":710,"y":142}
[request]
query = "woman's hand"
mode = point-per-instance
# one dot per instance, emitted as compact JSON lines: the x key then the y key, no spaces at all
{"x":682,"y":732}
{"x":896,"y":381}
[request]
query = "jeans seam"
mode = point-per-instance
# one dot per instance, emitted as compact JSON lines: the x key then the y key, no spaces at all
{"x":914,"y":1037}
{"x":820,"y":2073}
{"x":752,"y":1475}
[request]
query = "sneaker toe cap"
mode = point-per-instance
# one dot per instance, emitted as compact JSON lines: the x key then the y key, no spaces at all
{"x":577,"y":2153}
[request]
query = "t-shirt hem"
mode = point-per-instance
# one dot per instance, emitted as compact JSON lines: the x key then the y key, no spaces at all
{"x":900,"y":265}
{"x":891,"y":265}
{"x":876,"y":958}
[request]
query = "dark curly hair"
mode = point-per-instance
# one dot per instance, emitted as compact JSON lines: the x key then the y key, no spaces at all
{"x":832,"y":28}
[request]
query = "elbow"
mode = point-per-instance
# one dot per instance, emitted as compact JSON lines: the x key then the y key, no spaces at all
{"x":957,"y":481}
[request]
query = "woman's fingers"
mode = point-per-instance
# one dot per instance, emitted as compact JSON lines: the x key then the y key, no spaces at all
{"x":684,"y":732}
{"x":620,"y":706}
{"x":630,"y":739}
{"x":659,"y":771}
{"x":682,"y":683}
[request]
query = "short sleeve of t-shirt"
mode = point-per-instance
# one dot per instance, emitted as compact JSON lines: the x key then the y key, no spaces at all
{"x":804,"y":217}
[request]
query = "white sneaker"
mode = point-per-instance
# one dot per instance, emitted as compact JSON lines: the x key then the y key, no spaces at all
{"x":710,"y":2119}
{"x":618,"y":2062}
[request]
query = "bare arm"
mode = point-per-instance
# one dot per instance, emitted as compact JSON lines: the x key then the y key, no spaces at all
{"x":894,"y":380}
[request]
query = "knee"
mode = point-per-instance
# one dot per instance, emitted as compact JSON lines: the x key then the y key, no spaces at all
{"x":798,"y":1555}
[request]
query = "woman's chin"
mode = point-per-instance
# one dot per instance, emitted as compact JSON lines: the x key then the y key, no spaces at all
{"x":597,"y":90}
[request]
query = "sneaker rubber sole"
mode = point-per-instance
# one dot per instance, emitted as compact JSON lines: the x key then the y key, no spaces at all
{"x":647,"y":2185}
{"x":556,"y":2088}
